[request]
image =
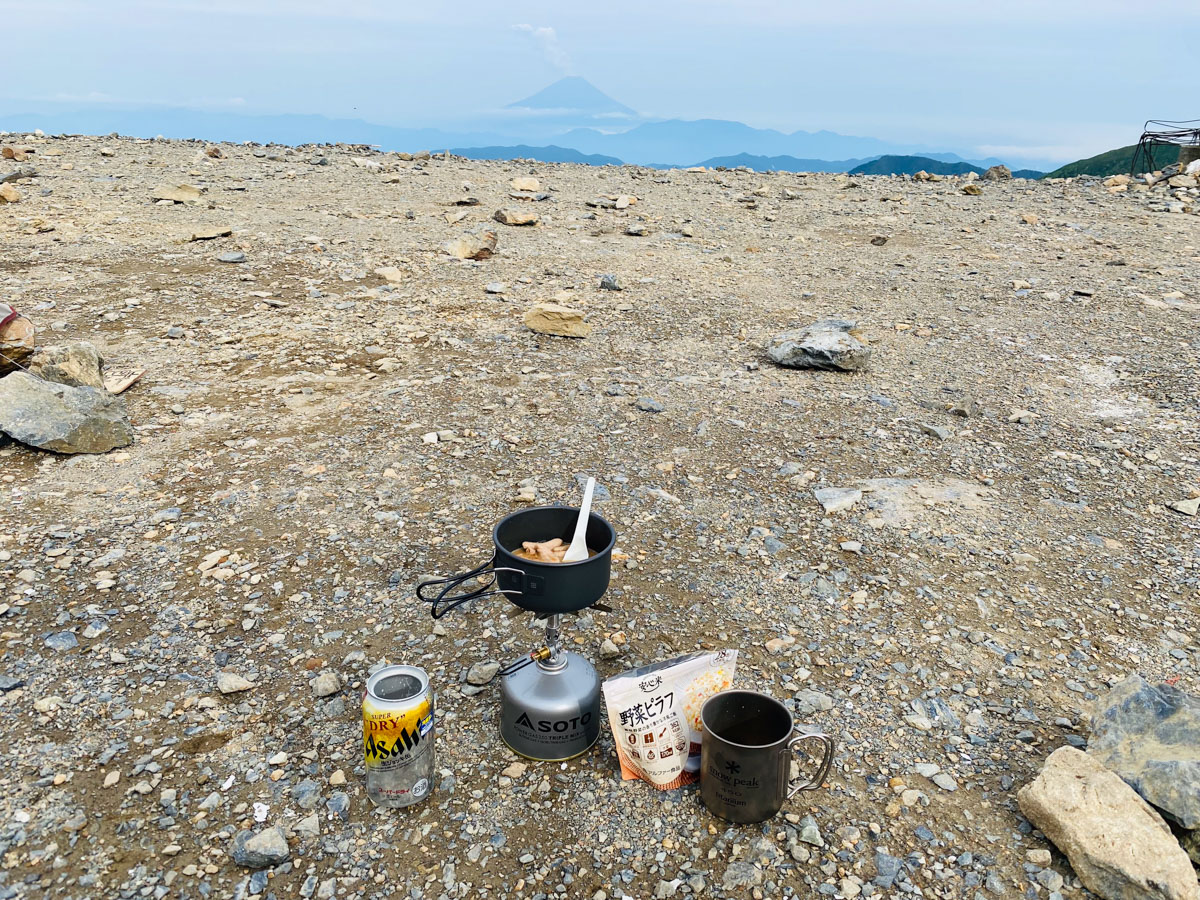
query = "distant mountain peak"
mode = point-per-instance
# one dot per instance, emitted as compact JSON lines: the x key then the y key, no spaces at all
{"x":576,"y":94}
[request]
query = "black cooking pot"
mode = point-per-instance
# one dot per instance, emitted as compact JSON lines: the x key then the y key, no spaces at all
{"x":539,"y":587}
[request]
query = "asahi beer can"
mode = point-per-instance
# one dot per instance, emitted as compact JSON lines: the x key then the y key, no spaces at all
{"x":398,"y":736}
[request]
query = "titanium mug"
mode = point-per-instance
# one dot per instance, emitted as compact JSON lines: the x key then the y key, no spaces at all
{"x":745,"y":755}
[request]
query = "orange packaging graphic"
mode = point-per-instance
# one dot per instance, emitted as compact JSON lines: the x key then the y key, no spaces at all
{"x":654,"y":712}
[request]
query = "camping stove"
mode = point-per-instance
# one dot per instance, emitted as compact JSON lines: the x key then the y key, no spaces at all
{"x":550,"y":698}
{"x":550,"y":701}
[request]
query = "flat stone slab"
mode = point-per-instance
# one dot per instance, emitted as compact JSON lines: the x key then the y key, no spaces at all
{"x":62,"y":418}
{"x":553,"y":318}
{"x":828,"y":344}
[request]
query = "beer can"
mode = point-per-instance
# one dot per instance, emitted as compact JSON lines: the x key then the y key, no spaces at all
{"x":398,"y":736}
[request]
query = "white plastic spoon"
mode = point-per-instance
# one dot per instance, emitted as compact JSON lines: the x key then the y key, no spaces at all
{"x":578,"y":549}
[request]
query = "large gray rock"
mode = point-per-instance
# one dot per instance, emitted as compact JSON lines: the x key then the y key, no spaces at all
{"x":828,"y":344}
{"x":1150,"y":736}
{"x":77,"y":364}
{"x":61,"y":418}
{"x":257,"y":851}
{"x":1120,"y":848}
{"x":997,"y":173}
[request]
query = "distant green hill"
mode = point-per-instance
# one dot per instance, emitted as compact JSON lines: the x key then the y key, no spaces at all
{"x":910,"y":165}
{"x":1114,"y":162}
{"x":780,"y":163}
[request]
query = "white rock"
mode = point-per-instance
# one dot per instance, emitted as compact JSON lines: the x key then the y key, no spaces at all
{"x":231,"y":683}
{"x":1117,"y":844}
{"x":837,"y":499}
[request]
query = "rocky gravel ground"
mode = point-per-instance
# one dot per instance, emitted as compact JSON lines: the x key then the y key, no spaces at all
{"x":334,"y":408}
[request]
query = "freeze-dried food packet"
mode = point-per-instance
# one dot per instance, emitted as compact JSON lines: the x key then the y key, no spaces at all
{"x":654,"y":712}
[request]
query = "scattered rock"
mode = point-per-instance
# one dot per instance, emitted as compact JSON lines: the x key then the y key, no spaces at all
{"x":649,"y":404}
{"x":879,"y":240}
{"x":61,"y":418}
{"x":259,"y":851}
{"x":9,"y":194}
{"x":609,"y":283}
{"x":972,"y":189}
{"x":482,"y":672}
{"x":609,"y":650}
{"x":997,"y":173}
{"x":828,"y":344}
{"x":637,"y":229}
{"x":1029,"y":218}
{"x":551,"y":318}
{"x":1188,"y":507}
{"x":516,"y":217}
{"x":836,"y":500}
{"x":741,"y":874}
{"x":232,"y":683}
{"x":62,"y":641}
{"x":210,"y":232}
{"x":234,"y":256}
{"x":1039,"y":856}
{"x":177,"y":193}
{"x":77,"y":364}
{"x":1119,"y":847}
{"x":326,"y":684}
{"x":472,"y":246}
{"x":525,"y":183}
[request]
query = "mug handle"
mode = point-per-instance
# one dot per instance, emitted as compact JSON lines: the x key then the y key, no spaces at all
{"x":826,"y":759}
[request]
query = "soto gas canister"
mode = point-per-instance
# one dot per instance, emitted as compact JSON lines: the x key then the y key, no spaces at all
{"x":398,"y":736}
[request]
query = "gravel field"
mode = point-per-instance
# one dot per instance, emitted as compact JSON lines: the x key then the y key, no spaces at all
{"x":348,"y":409}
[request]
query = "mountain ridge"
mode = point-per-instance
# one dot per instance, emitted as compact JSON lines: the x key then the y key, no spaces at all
{"x":574,"y":93}
{"x":570,"y":114}
{"x":1112,"y":162}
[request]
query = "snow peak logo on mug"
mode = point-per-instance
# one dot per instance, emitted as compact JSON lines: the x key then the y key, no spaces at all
{"x":745,"y":756}
{"x":732,"y":776}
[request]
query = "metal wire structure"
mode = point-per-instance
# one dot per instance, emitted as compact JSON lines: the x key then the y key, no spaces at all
{"x":1159,"y":134}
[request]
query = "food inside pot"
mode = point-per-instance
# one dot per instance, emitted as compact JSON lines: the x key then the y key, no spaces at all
{"x":551,"y":551}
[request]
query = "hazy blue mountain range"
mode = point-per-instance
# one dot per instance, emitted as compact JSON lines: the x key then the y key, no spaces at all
{"x":571,"y":114}
{"x":542,"y":154}
{"x":781,"y":163}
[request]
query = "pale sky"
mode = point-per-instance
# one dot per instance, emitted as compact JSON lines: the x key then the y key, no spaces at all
{"x":1055,"y":78}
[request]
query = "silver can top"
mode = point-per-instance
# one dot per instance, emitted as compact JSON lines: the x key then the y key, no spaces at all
{"x":396,"y":684}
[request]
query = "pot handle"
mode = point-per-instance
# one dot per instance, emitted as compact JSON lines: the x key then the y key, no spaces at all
{"x":826,"y":759}
{"x":440,"y":603}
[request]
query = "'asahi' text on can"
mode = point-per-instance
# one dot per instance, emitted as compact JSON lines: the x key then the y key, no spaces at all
{"x":398,"y":736}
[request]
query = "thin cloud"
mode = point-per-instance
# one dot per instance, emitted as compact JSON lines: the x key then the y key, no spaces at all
{"x":546,"y":38}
